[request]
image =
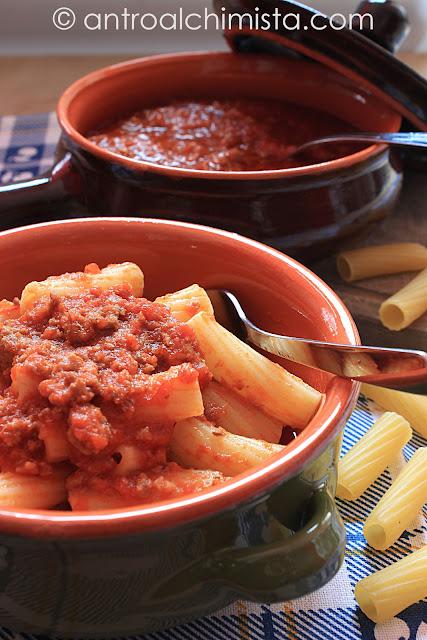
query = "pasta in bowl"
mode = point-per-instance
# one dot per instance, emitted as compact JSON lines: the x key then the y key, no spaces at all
{"x":121,"y":388}
{"x":146,"y":441}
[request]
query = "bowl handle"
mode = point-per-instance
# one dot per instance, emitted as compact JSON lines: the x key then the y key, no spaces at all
{"x":29,"y":201}
{"x":291,"y":566}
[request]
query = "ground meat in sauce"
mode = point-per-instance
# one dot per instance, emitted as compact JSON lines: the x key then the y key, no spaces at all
{"x":162,"y":482}
{"x":80,"y":362}
{"x":223,"y":135}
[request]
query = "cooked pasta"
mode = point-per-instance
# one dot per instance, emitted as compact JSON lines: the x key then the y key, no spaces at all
{"x":168,"y":396}
{"x":18,"y":491}
{"x":369,"y":457}
{"x":199,"y":444}
{"x":93,"y":277}
{"x":8,"y":310}
{"x":108,"y":400}
{"x":186,"y":303}
{"x":56,"y":444}
{"x":358,"y":365}
{"x":400,"y":504}
{"x":411,"y":406}
{"x":263,"y":383}
{"x":158,"y":483}
{"x":329,"y":361}
{"x":229,"y":410}
{"x":384,"y":594}
{"x":405,"y":306}
{"x":381,"y":260}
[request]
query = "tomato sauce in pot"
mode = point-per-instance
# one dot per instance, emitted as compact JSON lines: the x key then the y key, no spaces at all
{"x":223,"y":135}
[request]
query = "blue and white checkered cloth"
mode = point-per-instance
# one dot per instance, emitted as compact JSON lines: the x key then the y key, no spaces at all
{"x":27,"y":145}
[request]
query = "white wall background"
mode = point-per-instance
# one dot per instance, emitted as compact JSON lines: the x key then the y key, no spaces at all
{"x":26,"y":27}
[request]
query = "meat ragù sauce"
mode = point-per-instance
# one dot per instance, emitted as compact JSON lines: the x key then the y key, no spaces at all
{"x":79,"y":371}
{"x":223,"y":135}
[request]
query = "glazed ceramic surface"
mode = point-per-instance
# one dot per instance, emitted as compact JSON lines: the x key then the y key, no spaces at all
{"x":297,"y":210}
{"x":269,"y":535}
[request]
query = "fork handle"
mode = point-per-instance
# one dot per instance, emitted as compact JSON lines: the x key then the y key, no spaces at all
{"x":384,"y":367}
{"x":401,"y":139}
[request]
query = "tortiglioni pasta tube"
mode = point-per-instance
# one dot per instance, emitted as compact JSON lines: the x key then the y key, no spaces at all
{"x":381,"y":260}
{"x":366,"y":461}
{"x":411,"y":406}
{"x":399,"y":505}
{"x":250,"y":374}
{"x":184,"y":304}
{"x":408,"y":304}
{"x":391,"y":590}
{"x":198,"y":444}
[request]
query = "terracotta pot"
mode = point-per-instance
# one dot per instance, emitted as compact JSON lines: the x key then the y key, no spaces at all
{"x":298,"y":210}
{"x":271,"y":534}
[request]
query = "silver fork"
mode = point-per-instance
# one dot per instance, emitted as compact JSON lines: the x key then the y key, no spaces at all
{"x":411,"y":140}
{"x":390,"y":367}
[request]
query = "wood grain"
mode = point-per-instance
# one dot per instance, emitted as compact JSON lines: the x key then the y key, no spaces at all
{"x":364,"y":298}
{"x":33,"y":84}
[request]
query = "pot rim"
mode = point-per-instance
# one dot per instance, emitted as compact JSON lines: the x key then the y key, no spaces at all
{"x":339,"y":402}
{"x":140,"y":166}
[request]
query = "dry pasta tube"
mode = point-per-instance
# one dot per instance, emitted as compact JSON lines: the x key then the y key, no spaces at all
{"x":198,"y":444}
{"x":381,"y":260}
{"x":408,"y":304}
{"x":366,"y":461}
{"x":411,"y":406}
{"x":400,"y":504}
{"x":32,"y":492}
{"x":72,"y":283}
{"x":386,"y":593}
{"x":186,"y":303}
{"x":253,"y":376}
{"x":230,"y":411}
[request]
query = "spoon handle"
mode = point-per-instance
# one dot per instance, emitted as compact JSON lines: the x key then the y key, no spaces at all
{"x":380,"y":366}
{"x":405,"y":139}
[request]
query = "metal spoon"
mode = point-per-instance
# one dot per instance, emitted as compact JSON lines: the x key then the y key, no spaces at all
{"x":391,"y":367}
{"x":408,"y":140}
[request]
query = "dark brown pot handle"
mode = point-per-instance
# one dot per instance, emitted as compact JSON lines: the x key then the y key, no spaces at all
{"x":40,"y":198}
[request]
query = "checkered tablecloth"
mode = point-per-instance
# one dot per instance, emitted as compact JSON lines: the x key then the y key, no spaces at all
{"x":26,"y":149}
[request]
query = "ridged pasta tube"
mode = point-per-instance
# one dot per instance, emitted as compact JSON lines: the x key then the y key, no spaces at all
{"x":184,"y":304}
{"x":405,"y":306}
{"x":385,"y":259}
{"x":32,"y":492}
{"x":386,"y":593}
{"x":369,"y":457}
{"x":253,"y":376}
{"x":72,"y":283}
{"x":228,"y":410}
{"x":198,"y":444}
{"x":400,"y":504}
{"x":411,"y":406}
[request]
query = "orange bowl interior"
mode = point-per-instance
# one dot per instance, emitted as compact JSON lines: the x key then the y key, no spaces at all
{"x":277,"y":292}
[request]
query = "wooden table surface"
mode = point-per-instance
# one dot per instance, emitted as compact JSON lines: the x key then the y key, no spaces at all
{"x":32,"y":84}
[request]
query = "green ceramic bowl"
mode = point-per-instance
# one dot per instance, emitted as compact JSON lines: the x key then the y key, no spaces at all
{"x":269,"y":535}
